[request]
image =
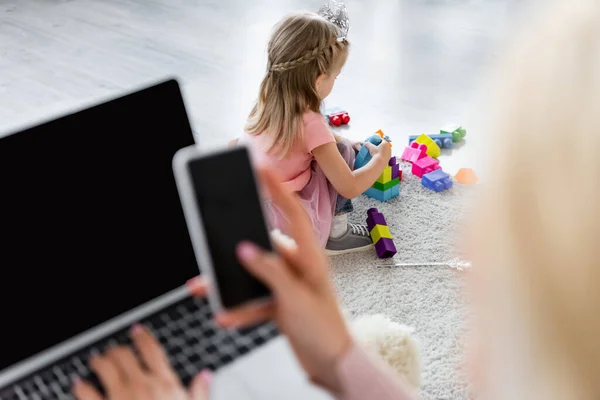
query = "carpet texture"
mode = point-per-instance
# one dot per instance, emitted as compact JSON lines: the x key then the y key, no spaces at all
{"x":426,"y":226}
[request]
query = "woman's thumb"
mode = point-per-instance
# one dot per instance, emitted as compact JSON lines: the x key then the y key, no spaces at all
{"x":200,"y":385}
{"x":267,"y":267}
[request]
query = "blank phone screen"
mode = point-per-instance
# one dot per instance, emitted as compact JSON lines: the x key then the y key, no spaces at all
{"x":231,"y":212}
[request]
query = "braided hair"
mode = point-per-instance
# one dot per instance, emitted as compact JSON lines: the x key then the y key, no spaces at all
{"x":302,"y":47}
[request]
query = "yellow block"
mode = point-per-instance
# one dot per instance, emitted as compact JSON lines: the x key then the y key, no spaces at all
{"x":380,"y":231}
{"x":386,"y":176}
{"x":433,"y":150}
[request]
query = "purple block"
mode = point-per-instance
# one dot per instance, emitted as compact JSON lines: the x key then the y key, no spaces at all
{"x":385,"y":248}
{"x":392,"y":162}
{"x":374,"y":217}
{"x":395,"y":171}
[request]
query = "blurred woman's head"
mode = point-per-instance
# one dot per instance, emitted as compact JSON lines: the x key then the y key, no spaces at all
{"x":537,"y":244}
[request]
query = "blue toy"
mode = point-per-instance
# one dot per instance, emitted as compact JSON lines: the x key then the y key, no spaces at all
{"x":443,"y":140}
{"x":437,"y":180}
{"x":363,"y":156}
{"x":383,"y":195}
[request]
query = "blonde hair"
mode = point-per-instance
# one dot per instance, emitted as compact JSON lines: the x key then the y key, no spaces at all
{"x":537,"y":237}
{"x":302,"y":47}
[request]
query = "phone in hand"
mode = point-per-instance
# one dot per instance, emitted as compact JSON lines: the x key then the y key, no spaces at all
{"x":222,"y":207}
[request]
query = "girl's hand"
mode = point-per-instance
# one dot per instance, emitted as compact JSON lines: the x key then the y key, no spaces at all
{"x":125,"y":377}
{"x":384,"y":150}
{"x":305,"y":306}
{"x":357,"y":145}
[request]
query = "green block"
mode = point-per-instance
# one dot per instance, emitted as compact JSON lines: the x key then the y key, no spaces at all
{"x":385,"y":186}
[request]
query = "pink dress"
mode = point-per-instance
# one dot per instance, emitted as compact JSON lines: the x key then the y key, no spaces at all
{"x":301,"y":174}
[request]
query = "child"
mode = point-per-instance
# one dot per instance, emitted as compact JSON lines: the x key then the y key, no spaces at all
{"x":286,"y":131}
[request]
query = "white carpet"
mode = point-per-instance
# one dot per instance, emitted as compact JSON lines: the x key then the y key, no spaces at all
{"x":425,"y":227}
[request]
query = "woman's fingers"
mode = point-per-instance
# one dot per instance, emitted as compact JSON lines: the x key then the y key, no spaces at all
{"x":108,"y":374}
{"x":197,"y":286}
{"x":267,"y":267}
{"x":126,"y":362}
{"x":84,"y":391}
{"x":152,"y":353}
{"x":246,"y":315}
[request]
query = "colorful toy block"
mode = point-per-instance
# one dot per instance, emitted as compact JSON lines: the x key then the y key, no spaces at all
{"x":364,"y":156}
{"x":466,"y":176}
{"x":387,"y":185}
{"x":458,"y":132}
{"x":380,"y":234}
{"x":433,"y":150}
{"x":414,"y":152}
{"x":424,"y":166}
{"x":443,"y":140}
{"x":337,"y":116}
{"x":437,"y":180}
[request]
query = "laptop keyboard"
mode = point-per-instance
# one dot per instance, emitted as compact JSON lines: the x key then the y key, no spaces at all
{"x":192,"y":341}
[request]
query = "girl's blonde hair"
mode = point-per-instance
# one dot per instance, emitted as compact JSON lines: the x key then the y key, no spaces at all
{"x":302,"y":47}
{"x":537,"y":238}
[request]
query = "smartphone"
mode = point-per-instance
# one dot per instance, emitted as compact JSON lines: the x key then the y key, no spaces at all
{"x":222,"y":207}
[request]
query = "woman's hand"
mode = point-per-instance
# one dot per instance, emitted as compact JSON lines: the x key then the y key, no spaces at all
{"x":305,"y":306}
{"x":125,"y":377}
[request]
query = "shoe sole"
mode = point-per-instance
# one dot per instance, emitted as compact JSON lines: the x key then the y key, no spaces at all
{"x":347,"y":251}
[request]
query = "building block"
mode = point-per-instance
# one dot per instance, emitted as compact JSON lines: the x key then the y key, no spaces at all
{"x":433,"y":150}
{"x":438,"y":181}
{"x":385,"y":248}
{"x":396,"y":172}
{"x":392,"y":161}
{"x":364,"y":156}
{"x":386,"y":186}
{"x":386,"y":175}
{"x":380,"y":234}
{"x":443,"y":140}
{"x":337,"y":116}
{"x":414,"y":152}
{"x":374,"y":217}
{"x":383,"y":196}
{"x":424,"y":166}
{"x":466,"y":176}
{"x":380,"y":231}
{"x":458,"y":132}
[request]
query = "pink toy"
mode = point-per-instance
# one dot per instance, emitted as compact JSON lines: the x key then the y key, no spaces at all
{"x":415,"y":152}
{"x":424,"y":166}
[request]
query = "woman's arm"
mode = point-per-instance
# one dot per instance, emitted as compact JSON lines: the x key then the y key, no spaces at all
{"x":363,"y":377}
{"x":346,"y":182}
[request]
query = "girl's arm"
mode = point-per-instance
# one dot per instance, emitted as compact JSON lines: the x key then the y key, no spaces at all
{"x":347,"y":182}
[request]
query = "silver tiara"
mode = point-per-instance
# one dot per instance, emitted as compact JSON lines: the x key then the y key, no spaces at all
{"x":335,"y":12}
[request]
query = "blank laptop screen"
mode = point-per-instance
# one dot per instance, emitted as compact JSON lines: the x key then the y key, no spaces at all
{"x":90,"y":220}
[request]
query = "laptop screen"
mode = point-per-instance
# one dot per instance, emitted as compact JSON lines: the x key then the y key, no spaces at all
{"x":91,"y":224}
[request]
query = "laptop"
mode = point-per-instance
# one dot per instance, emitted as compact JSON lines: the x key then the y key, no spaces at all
{"x":93,"y":239}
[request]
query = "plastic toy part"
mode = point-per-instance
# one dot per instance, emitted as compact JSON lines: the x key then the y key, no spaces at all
{"x":424,"y":166}
{"x":466,"y":176}
{"x":380,"y":234}
{"x":383,"y":196}
{"x":396,"y":172}
{"x":337,"y":116}
{"x":414,"y":152}
{"x":444,"y":141}
{"x":458,"y":132}
{"x":433,"y":150}
{"x":386,"y":186}
{"x":385,"y":248}
{"x":438,"y":181}
{"x":374,"y":217}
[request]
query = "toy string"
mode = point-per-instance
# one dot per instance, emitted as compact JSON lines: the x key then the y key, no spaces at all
{"x":455,"y":263}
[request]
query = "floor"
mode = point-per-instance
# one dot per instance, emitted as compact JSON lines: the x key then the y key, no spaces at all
{"x":415,"y":65}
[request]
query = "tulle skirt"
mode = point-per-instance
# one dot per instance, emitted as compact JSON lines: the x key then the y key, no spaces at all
{"x":318,"y":198}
